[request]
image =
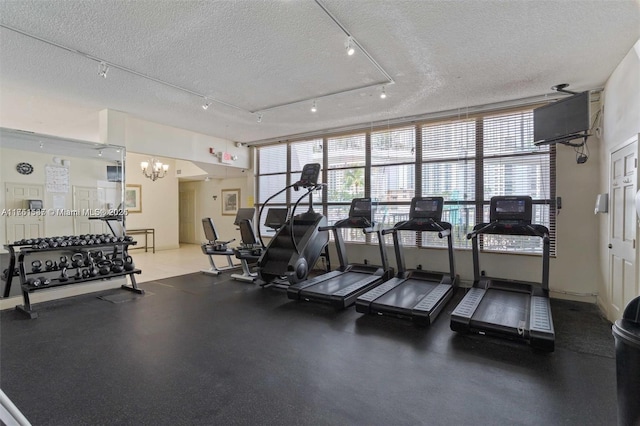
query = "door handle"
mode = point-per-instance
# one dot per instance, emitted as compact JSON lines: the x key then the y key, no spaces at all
{"x":610,"y":246}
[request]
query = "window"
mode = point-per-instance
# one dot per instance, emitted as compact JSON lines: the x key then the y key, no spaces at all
{"x":464,"y":160}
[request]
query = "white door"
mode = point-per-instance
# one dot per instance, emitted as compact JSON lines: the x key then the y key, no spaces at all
{"x":622,"y":220}
{"x":187,"y":216}
{"x":88,"y":199}
{"x":23,"y":226}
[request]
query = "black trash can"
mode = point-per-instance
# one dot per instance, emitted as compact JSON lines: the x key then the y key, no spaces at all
{"x":626,"y":332}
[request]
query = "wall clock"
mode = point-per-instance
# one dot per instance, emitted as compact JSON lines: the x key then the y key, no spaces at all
{"x":24,"y":168}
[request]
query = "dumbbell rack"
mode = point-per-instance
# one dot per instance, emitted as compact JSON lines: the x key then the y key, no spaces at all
{"x":26,"y":250}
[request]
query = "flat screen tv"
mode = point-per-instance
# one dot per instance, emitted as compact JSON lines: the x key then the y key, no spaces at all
{"x":562,"y":120}
{"x":114,"y":173}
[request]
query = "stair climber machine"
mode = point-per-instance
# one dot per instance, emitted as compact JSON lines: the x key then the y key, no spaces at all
{"x":511,"y":309}
{"x":298,"y":244}
{"x":341,"y":287}
{"x":414,"y":294}
{"x":251,"y":248}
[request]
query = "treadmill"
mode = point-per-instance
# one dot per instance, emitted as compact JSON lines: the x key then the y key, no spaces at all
{"x":511,"y":309}
{"x":414,"y":294}
{"x":341,"y":287}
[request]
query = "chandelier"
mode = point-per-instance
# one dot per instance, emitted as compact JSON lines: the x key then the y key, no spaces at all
{"x":154,"y":169}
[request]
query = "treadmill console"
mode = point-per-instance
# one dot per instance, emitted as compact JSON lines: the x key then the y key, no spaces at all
{"x":360,"y":207}
{"x":511,"y":209}
{"x":426,"y":208}
{"x":309,"y":176}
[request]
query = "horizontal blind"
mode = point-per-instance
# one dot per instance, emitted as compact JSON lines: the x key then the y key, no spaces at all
{"x":272,"y":159}
{"x":305,"y":152}
{"x":513,"y":165}
{"x":448,"y":171}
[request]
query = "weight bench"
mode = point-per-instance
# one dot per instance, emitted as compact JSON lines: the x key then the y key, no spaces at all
{"x":215,"y":247}
{"x":249,"y":252}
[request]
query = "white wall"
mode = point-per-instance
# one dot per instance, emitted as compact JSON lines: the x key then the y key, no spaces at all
{"x":621,"y":122}
{"x":142,"y":136}
{"x":206,"y":206}
{"x":159,"y":202}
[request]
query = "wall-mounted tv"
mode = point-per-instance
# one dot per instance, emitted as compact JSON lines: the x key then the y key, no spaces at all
{"x":114,"y":173}
{"x":562,"y":120}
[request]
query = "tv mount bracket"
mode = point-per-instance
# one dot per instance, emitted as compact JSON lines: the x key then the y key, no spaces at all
{"x":563,"y":88}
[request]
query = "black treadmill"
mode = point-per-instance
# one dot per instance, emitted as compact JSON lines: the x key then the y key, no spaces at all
{"x":518,"y":310}
{"x":341,"y":287}
{"x":414,"y":294}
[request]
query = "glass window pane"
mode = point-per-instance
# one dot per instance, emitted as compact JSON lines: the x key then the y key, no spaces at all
{"x":387,"y":216}
{"x":452,"y":180}
{"x":346,"y":151}
{"x":271,"y":184}
{"x":393,"y":183}
{"x":345,"y":185}
{"x":462,"y":220}
{"x":449,"y":140}
{"x":393,"y":146}
{"x":524,"y":175}
{"x":335,"y":213}
{"x":304,"y":153}
{"x":273,"y":159}
{"x":509,"y":134}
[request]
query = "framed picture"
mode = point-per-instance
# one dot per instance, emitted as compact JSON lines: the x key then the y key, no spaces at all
{"x":133,"y":198}
{"x":230,"y":201}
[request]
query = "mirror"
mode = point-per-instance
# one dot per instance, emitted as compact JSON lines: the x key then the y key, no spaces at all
{"x":52,"y":186}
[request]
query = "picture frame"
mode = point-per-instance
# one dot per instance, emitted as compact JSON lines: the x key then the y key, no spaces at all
{"x":133,"y":198}
{"x":230,"y":201}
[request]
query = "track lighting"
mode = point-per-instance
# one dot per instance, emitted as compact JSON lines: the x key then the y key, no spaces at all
{"x":313,"y":107}
{"x":383,"y":94}
{"x":104,"y":69}
{"x":205,"y":105}
{"x":41,"y":145}
{"x":349,"y":47}
{"x":259,"y":118}
{"x":100,"y":153}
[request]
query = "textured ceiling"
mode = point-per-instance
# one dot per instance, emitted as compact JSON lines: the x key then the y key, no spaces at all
{"x":442,"y":55}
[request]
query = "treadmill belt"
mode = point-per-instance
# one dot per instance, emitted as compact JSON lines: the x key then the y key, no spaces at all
{"x":406,"y":295}
{"x":503,"y":308}
{"x":332,"y":285}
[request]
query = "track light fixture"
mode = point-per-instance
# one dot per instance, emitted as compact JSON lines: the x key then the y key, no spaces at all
{"x":349,"y":46}
{"x":206,"y":104}
{"x":100,"y":153}
{"x":259,"y":118}
{"x":313,"y":107}
{"x":383,"y":93}
{"x":104,"y":69}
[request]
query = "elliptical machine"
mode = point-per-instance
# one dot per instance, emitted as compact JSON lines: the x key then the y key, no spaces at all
{"x":298,"y":244}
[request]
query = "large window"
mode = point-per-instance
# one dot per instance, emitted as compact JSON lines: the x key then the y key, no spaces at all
{"x":465,"y":161}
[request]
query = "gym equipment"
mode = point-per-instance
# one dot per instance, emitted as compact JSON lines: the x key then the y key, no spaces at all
{"x":298,"y":244}
{"x":414,"y":294}
{"x":63,"y":275}
{"x":251,"y":249}
{"x":128,"y":263}
{"x":36,"y":266}
{"x":518,"y":310}
{"x":215,"y":247}
{"x":342,"y":286}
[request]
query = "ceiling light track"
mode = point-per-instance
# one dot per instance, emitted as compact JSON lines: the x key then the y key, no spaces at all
{"x":355,"y":42}
{"x":107,"y":64}
{"x":325,"y":95}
